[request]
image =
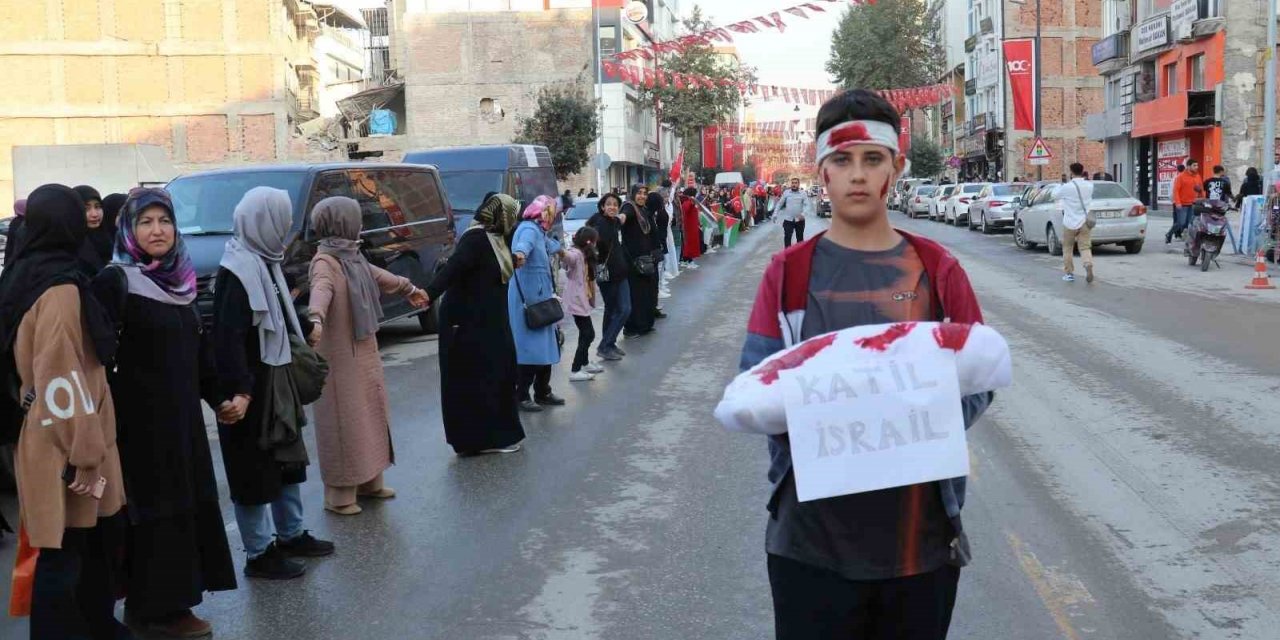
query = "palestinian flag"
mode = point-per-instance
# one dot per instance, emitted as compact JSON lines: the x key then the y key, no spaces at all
{"x":732,"y":226}
{"x":709,"y":223}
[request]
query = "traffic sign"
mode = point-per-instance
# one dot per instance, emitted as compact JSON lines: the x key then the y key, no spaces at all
{"x":1039,"y":151}
{"x":1039,"y":161}
{"x":601,"y":161}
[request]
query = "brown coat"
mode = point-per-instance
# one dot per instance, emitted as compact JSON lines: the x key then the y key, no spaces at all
{"x":353,"y":423}
{"x":72,"y":420}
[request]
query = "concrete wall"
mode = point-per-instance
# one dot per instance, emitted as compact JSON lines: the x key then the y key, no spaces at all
{"x":1244,"y":77}
{"x":1071,"y":88}
{"x":201,"y":78}
{"x":454,"y":62}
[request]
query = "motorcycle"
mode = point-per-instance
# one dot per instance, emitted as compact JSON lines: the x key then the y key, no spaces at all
{"x":1207,"y":234}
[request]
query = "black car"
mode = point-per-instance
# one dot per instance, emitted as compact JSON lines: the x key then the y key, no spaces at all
{"x":408,"y":223}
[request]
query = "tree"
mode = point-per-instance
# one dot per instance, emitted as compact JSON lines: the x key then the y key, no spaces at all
{"x":566,"y":121}
{"x":925,"y":157}
{"x":690,"y":109}
{"x":887,"y":45}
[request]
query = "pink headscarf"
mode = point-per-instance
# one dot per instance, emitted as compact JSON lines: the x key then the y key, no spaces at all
{"x":536,"y":210}
{"x":20,"y":207}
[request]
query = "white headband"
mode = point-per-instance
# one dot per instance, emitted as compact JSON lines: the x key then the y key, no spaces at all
{"x":847,"y":134}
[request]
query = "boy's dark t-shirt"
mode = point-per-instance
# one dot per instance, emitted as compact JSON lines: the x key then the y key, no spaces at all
{"x":1218,"y":188}
{"x":883,"y":534}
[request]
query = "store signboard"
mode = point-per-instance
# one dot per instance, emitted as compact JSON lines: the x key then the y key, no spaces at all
{"x":1153,"y":33}
{"x":1182,"y":15}
{"x":1169,"y":154}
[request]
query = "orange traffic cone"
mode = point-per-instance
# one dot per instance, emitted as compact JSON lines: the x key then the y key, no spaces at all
{"x":1260,"y":278}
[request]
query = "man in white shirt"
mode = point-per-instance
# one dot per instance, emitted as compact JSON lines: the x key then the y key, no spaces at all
{"x":1074,"y":198}
{"x":791,"y":208}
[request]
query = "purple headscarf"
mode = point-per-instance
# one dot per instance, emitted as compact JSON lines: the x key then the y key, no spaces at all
{"x":20,"y":207}
{"x":170,"y":278}
{"x":537,"y":208}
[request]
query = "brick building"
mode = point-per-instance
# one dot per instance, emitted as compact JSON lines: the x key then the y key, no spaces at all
{"x":1070,"y":86}
{"x":213,"y":82}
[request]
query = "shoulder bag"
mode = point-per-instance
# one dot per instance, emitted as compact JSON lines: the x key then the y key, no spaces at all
{"x":542,"y":314}
{"x":308,"y":367}
{"x":1090,"y":219}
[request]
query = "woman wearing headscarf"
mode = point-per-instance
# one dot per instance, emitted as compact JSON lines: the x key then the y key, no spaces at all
{"x":638,"y":238}
{"x":532,"y":282}
{"x":612,"y":276}
{"x":164,"y":366}
{"x":353,"y":422}
{"x":253,"y":318}
{"x":478,"y":372}
{"x":13,"y":235}
{"x":91,"y":258}
{"x":1252,"y":186}
{"x":56,"y":338}
{"x":691,"y":249}
{"x":104,"y":240}
{"x":656,"y":206}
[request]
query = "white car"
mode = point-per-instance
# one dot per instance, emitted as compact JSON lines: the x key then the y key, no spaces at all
{"x":994,"y":207}
{"x":1122,"y":219}
{"x":938,"y":204}
{"x":957,"y":209}
{"x":577,"y":216}
{"x":917,"y":201}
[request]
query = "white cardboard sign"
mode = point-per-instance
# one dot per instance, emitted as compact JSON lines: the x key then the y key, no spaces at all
{"x":875,"y":423}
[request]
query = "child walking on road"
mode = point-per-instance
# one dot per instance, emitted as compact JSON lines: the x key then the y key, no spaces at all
{"x":580,"y":299}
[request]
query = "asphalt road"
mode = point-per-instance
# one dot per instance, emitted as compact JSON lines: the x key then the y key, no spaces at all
{"x":1125,"y":487}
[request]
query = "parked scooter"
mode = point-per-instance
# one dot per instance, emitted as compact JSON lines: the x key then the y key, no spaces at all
{"x":1207,"y":234}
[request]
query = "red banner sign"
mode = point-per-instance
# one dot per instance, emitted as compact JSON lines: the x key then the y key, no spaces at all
{"x":729,"y":158}
{"x":1020,"y":63}
{"x":904,"y":136}
{"x":710,"y":146}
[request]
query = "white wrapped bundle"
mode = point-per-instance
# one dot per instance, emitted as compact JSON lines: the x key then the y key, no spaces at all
{"x":753,"y":402}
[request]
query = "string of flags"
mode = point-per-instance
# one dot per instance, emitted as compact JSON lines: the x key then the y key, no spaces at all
{"x":648,"y":77}
{"x":769,"y":127}
{"x":724,"y":34}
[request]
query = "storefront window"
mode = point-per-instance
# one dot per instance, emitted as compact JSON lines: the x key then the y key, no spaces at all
{"x":1170,"y":80}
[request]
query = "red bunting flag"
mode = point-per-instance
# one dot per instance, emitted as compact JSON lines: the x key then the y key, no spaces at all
{"x":777,"y":21}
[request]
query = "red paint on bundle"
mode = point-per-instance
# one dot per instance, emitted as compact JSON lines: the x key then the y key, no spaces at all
{"x":952,"y":336}
{"x":881,"y":341}
{"x":794,"y":358}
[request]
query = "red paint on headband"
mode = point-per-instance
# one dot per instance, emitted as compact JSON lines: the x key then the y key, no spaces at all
{"x":853,"y":133}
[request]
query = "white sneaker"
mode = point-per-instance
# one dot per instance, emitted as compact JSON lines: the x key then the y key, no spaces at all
{"x":581,"y":376}
{"x":692,"y":265}
{"x":593,"y":368}
{"x":663,"y":295}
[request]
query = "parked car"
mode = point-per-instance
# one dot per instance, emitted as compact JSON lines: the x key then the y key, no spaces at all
{"x":902,"y":190}
{"x":1023,"y":202}
{"x":408,"y":224}
{"x":918,"y":200}
{"x":578,"y":215}
{"x":957,"y":209}
{"x":824,"y":203}
{"x":521,"y":171}
{"x":993,"y":208}
{"x":1122,"y":219}
{"x":938,"y":205}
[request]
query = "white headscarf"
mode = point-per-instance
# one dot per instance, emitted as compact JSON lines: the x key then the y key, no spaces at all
{"x":262,"y":222}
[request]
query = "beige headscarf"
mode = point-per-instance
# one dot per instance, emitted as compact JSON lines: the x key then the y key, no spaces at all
{"x":497,"y":218}
{"x":336,"y":221}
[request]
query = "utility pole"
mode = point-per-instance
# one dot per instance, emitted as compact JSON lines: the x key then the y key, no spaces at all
{"x":1039,"y":74}
{"x":599,"y":93}
{"x":1269,"y":103}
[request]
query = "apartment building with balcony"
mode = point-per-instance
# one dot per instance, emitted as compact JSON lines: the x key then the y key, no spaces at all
{"x":1117,"y":58}
{"x":981,"y":134}
{"x":947,"y":120}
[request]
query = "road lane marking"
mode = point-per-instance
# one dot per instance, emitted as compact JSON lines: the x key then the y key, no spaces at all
{"x":1057,"y":590}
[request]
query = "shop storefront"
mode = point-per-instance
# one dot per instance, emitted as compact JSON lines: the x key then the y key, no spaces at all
{"x":1180,"y":122}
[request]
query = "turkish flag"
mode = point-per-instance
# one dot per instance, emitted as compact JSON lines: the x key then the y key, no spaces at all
{"x":1020,"y":64}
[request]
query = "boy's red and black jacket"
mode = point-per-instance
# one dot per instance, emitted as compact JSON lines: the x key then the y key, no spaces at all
{"x":778,"y":315}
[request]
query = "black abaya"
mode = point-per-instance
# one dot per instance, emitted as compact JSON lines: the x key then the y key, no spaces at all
{"x":478,"y":374}
{"x":164,"y":366}
{"x":644,"y":288}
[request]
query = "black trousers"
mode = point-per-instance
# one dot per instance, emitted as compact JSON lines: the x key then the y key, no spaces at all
{"x":790,"y":226}
{"x":811,"y":603}
{"x":72,"y":597}
{"x":586,"y":335}
{"x":537,"y":376}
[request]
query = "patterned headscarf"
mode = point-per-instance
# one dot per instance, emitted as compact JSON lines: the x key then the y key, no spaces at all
{"x":498,"y":215}
{"x":497,"y":218}
{"x":170,"y":278}
{"x":538,"y":208}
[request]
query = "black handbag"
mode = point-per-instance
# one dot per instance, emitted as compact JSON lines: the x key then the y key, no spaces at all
{"x":539,"y":314}
{"x":645,"y":265}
